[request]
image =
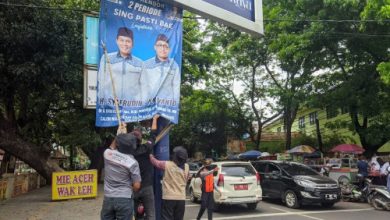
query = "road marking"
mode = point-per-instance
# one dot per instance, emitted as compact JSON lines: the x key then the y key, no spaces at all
{"x":279,"y":209}
{"x":290,"y":213}
{"x":192,"y":205}
{"x":286,"y":211}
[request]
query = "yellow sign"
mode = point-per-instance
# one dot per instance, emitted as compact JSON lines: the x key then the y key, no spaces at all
{"x":74,"y":184}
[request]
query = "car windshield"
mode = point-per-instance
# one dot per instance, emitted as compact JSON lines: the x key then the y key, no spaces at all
{"x":298,"y":169}
{"x":238,"y":170}
{"x":193,"y":166}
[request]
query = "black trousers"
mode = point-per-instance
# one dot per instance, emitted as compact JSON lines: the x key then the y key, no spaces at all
{"x":207,"y":202}
{"x":172,"y":209}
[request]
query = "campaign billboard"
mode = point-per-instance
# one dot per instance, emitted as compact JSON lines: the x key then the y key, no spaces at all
{"x":140,"y":51}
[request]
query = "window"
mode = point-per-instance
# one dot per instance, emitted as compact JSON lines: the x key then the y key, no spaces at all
{"x":312,"y":117}
{"x":272,"y":168}
{"x":260,"y":167}
{"x":331,"y":112}
{"x":238,"y":170}
{"x":298,"y":169}
{"x":301,"y":122}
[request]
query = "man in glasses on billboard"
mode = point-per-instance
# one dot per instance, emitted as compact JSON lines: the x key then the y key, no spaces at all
{"x":161,"y":79}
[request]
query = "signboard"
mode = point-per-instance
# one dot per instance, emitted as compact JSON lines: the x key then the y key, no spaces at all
{"x":91,"y":40}
{"x":74,"y":184}
{"x":90,"y":87}
{"x":245,"y":15}
{"x":141,"y":67}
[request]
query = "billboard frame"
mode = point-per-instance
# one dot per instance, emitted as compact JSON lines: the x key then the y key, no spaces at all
{"x":223,"y":16}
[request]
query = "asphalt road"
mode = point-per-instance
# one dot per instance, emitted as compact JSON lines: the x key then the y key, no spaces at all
{"x":276,"y":210}
{"x":37,"y":205}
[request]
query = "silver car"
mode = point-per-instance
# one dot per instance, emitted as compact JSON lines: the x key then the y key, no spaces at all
{"x":238,"y":181}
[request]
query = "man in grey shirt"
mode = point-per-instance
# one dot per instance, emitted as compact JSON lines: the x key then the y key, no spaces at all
{"x":122,"y":177}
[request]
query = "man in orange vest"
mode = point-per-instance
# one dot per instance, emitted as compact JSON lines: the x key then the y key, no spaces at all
{"x":208,"y":186}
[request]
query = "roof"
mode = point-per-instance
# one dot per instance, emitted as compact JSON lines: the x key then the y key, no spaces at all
{"x":58,"y":155}
{"x":230,"y":162}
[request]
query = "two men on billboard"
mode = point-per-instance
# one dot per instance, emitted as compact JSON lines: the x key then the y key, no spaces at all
{"x":144,"y":55}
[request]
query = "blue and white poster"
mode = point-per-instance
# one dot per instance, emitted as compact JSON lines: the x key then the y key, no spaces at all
{"x":142,"y":68}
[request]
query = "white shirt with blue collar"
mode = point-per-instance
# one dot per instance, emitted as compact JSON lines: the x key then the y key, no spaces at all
{"x":161,"y":79}
{"x":126,"y":72}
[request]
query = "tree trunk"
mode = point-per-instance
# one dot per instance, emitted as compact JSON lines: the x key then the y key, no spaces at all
{"x":319,"y":137}
{"x":7,"y":164}
{"x":35,"y":156}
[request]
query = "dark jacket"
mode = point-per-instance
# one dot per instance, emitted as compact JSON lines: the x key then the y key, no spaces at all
{"x":142,"y":156}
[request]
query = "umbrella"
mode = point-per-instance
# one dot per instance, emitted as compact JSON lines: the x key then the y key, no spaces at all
{"x":252,"y":154}
{"x":233,"y":157}
{"x":301,"y":149}
{"x":385,"y":148}
{"x":348,"y":148}
{"x":315,"y":154}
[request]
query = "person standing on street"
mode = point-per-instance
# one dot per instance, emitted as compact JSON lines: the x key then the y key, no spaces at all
{"x":146,"y":193}
{"x":122,"y":178}
{"x":208,"y":186}
{"x":363,"y":169}
{"x":173,"y":183}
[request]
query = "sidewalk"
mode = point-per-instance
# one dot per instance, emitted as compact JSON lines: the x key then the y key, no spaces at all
{"x":37,"y":205}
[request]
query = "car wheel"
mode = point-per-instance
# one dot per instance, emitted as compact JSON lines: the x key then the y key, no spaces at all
{"x":251,"y":206}
{"x":192,"y":196}
{"x":327,"y":204}
{"x":291,"y":199}
{"x":376,"y":204}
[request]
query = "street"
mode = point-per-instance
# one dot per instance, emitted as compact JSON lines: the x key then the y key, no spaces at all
{"x":37,"y":205}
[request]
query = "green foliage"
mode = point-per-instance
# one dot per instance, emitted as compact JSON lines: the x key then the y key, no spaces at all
{"x":42,"y":72}
{"x":384,"y":71}
{"x":205,"y":123}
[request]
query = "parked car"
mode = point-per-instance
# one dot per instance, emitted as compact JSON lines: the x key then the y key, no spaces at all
{"x":296,"y":184}
{"x":238,"y":181}
{"x":194,"y":167}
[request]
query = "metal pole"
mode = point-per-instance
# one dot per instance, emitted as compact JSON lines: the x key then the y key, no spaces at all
{"x":161,"y":152}
{"x":113,"y":84}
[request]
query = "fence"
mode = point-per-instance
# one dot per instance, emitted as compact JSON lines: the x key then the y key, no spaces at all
{"x":14,"y":185}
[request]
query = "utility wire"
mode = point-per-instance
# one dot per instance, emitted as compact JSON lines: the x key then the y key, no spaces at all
{"x":197,"y":17}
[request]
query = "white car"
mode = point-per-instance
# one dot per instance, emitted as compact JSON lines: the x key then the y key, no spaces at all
{"x":238,"y":181}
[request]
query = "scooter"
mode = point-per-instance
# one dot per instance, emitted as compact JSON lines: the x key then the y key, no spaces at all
{"x":140,"y":210}
{"x":379,"y":197}
{"x":351,"y":192}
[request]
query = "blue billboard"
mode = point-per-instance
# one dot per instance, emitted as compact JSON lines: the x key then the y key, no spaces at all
{"x":140,"y":45}
{"x":243,"y":8}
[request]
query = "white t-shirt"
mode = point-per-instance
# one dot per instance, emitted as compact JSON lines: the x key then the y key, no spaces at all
{"x":384,"y":168}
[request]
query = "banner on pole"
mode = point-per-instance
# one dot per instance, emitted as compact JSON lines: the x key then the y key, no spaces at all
{"x":144,"y":43}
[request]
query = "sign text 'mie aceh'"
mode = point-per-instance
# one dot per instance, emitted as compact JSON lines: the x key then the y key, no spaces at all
{"x":74,"y":184}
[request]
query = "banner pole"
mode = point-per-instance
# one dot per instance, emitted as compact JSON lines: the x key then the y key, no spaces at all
{"x":113,"y":84}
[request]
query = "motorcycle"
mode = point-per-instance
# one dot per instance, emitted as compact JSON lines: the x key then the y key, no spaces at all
{"x":379,"y":197}
{"x":139,"y":210}
{"x":351,"y":192}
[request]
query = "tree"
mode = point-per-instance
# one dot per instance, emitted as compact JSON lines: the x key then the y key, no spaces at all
{"x":240,"y":61}
{"x":41,"y":78}
{"x":353,"y":49}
